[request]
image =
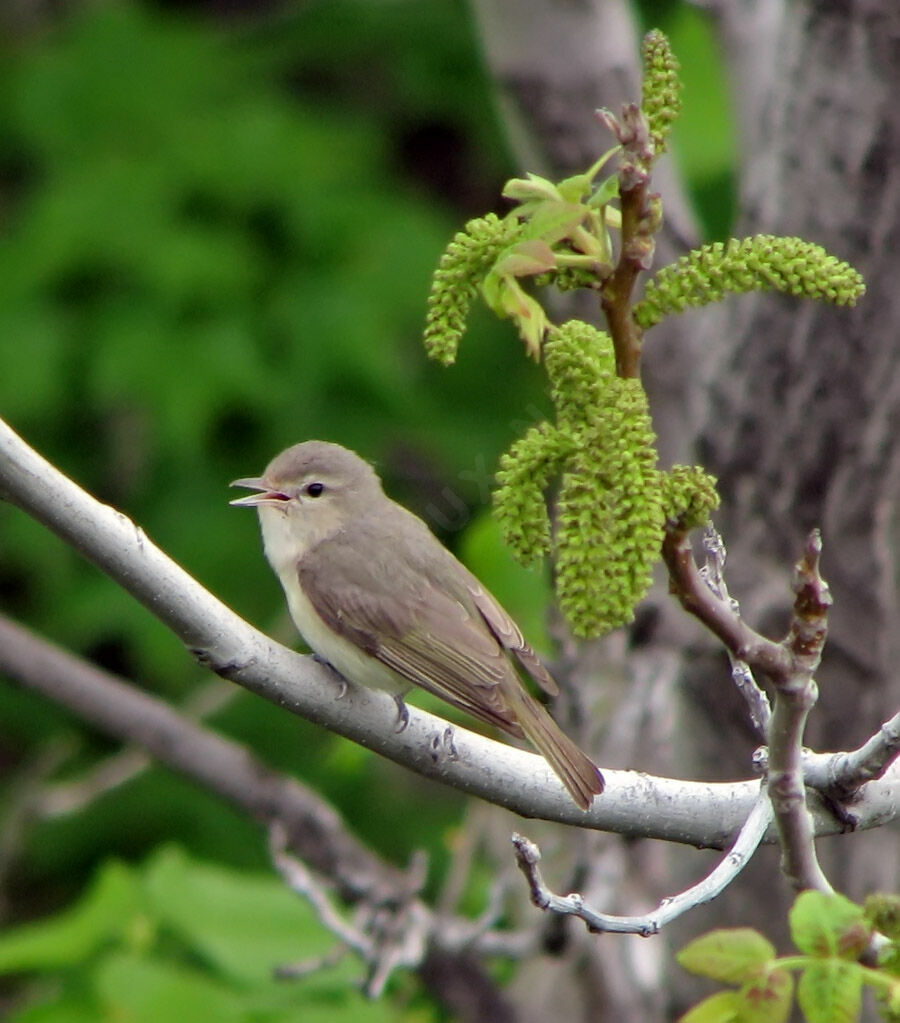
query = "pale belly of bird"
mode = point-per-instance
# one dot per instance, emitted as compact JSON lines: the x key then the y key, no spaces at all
{"x":340,"y":653}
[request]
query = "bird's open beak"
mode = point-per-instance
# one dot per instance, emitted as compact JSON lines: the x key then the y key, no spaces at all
{"x":266,"y":496}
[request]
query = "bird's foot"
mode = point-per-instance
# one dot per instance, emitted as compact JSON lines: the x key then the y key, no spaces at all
{"x":402,"y":714}
{"x":339,"y":678}
{"x":442,"y":746}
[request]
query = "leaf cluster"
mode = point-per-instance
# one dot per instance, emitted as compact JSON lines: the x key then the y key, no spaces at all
{"x":556,"y":229}
{"x":612,"y":503}
{"x":179,"y":939}
{"x":831,"y":934}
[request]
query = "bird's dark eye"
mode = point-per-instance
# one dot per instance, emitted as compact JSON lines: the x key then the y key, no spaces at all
{"x":315,"y":489}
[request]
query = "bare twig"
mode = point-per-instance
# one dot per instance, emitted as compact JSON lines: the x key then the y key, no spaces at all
{"x":687,"y":583}
{"x":220,"y":765}
{"x":393,"y":933}
{"x":638,"y":229}
{"x":528,"y":855}
{"x":64,"y":798}
{"x":386,"y":935}
{"x":308,"y":967}
{"x":839,"y":775}
{"x":714,"y":574}
{"x":848,"y":772}
{"x":19,"y":806}
{"x":299,"y":879}
{"x":795,"y":696}
{"x":790,"y":666}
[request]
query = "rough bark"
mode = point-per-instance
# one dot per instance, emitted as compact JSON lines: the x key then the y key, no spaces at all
{"x":796,"y":411}
{"x":805,"y":400}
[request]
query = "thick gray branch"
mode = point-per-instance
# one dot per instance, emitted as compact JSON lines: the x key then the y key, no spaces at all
{"x":638,"y":805}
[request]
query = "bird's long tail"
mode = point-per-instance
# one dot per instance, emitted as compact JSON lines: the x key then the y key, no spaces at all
{"x":575,"y":769}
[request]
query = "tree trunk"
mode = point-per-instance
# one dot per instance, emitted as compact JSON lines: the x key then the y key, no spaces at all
{"x":793,"y":405}
{"x":805,"y":399}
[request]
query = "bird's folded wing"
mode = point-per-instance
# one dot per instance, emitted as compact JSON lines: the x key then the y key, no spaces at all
{"x":403,"y":620}
{"x":459,"y":582}
{"x":510,"y":637}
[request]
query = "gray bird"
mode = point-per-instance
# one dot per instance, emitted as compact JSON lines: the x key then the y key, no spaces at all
{"x":377,"y":596}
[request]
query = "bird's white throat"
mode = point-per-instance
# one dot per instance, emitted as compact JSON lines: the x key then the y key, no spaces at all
{"x":283,"y":543}
{"x":285,"y":546}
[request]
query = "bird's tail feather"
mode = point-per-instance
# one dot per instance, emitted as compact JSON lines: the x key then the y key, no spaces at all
{"x":575,"y":769}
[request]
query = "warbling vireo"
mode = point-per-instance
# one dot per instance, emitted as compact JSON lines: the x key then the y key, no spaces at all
{"x":376,"y":595}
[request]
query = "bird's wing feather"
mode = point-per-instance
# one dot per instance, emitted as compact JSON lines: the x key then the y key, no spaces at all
{"x":408,"y":620}
{"x":460,"y":583}
{"x":418,"y":611}
{"x":509,"y":636}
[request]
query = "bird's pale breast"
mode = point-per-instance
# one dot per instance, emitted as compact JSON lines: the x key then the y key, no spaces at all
{"x":352,"y":662}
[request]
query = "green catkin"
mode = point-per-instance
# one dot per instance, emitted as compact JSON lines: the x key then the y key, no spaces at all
{"x":759,"y":263}
{"x":689,"y":496}
{"x":610,"y":508}
{"x":661,"y":93}
{"x":520,"y":506}
{"x":455,"y":283}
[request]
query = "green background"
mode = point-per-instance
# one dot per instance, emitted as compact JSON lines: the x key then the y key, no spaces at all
{"x":216,"y":239}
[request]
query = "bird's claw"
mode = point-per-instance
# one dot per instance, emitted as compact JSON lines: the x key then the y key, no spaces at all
{"x":442,"y":746}
{"x":402,"y":714}
{"x":341,"y":681}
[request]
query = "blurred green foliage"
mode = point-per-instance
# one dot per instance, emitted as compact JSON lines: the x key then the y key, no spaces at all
{"x":216,"y":240}
{"x":200,"y":265}
{"x":176,"y":939}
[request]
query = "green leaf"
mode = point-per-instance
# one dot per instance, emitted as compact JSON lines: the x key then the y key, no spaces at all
{"x":831,"y":992}
{"x":767,"y":998}
{"x":245,"y":924}
{"x":527,"y":312}
{"x":108,"y":908}
{"x":728,"y":955}
{"x":533,"y":256}
{"x":722,"y":1007}
{"x":530,"y":188}
{"x":575,"y":188}
{"x":606,"y":191}
{"x":882,"y":910}
{"x":492,"y":292}
{"x":552,"y":220}
{"x":68,"y":1006}
{"x":889,"y":960}
{"x":148,"y":990}
{"x":828,"y":925}
{"x":890,"y":1002}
